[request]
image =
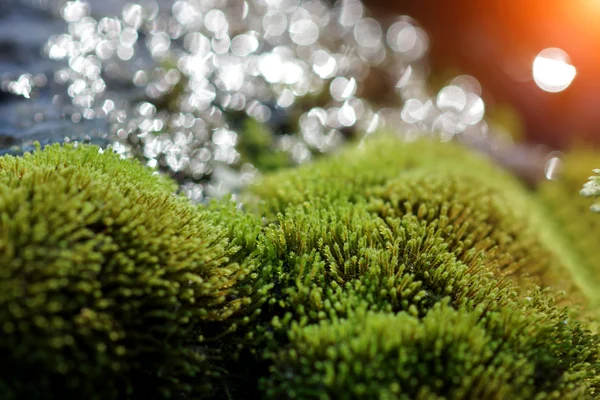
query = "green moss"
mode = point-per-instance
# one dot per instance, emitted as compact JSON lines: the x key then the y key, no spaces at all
{"x":408,"y":227}
{"x":350,"y":173}
{"x":476,"y":219}
{"x":338,"y":264}
{"x":448,"y":354}
{"x":256,"y":147}
{"x":392,"y":270}
{"x":485,"y":211}
{"x":110,"y":286}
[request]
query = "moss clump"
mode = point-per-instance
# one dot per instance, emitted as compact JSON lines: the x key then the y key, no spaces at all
{"x":257,"y":147}
{"x":447,"y":354}
{"x":395,"y":270}
{"x":111,"y":286}
{"x":435,"y":225}
{"x":349,"y":174}
{"x":484,"y":211}
{"x":334,"y":267}
{"x":476,"y":219}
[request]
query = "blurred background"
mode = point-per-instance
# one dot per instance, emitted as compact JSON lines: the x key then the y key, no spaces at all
{"x":215,"y":92}
{"x":497,"y":41}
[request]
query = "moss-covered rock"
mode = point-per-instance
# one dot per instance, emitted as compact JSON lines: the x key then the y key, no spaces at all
{"x":447,"y":354}
{"x":400,"y":228}
{"x":391,"y":270}
{"x":477,"y":220}
{"x":482,"y":210}
{"x":349,"y":174}
{"x":111,"y":286}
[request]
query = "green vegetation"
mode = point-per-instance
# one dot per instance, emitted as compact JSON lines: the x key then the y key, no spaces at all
{"x":592,"y":189}
{"x":392,"y":270}
{"x":448,"y":353}
{"x":396,"y":230}
{"x":110,"y":286}
{"x":484,"y":210}
{"x":256,"y":147}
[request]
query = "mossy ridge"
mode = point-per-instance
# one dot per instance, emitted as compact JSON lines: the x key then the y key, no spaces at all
{"x":573,"y":227}
{"x":448,"y":354}
{"x":476,"y":220}
{"x":123,"y":172}
{"x":114,"y":287}
{"x":354,"y":174}
{"x":348,"y":174}
{"x":333,"y":249}
{"x":340,"y":261}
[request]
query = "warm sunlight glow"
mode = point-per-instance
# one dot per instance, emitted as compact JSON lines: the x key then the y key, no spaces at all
{"x":552,"y":70}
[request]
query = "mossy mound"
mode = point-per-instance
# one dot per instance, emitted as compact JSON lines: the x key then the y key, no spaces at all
{"x":484,"y":211}
{"x":447,"y":354}
{"x":397,"y":229}
{"x":391,"y":270}
{"x":349,"y":174}
{"x":477,"y":220}
{"x":111,"y":286}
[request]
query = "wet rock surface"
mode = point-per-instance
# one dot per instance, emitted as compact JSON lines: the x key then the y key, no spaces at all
{"x":45,"y":114}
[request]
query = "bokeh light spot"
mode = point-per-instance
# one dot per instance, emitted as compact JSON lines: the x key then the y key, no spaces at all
{"x":552,"y":70}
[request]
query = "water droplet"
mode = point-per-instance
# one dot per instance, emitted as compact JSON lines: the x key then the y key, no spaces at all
{"x":553,"y":166}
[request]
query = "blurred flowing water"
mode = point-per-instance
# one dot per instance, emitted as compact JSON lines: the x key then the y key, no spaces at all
{"x":44,"y":114}
{"x":213,"y":92}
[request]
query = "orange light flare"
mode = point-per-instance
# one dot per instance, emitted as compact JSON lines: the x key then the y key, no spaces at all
{"x":502,"y":42}
{"x":548,"y":51}
{"x":574,"y":27}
